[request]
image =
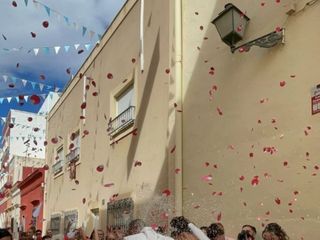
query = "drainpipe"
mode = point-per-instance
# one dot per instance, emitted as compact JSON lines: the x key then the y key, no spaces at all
{"x":141,"y":35}
{"x":179,"y":101}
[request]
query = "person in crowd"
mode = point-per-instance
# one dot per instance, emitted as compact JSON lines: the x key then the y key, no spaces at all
{"x":38,"y":234}
{"x":97,"y":234}
{"x":273,"y":231}
{"x":251,"y":230}
{"x":5,"y":234}
{"x":49,"y":233}
{"x":216,"y":232}
{"x":135,"y":226}
{"x":46,"y":237}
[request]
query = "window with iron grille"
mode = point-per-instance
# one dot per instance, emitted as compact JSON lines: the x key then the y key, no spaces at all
{"x":120,"y":213}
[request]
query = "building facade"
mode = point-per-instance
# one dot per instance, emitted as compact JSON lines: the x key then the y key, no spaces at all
{"x":22,"y":154}
{"x":162,"y":119}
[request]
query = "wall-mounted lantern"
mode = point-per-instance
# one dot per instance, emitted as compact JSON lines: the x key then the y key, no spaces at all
{"x":231,"y":24}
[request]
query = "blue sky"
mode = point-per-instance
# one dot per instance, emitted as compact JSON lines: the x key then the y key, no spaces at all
{"x":70,"y":22}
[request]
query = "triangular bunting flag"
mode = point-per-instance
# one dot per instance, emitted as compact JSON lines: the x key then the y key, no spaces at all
{"x":56,"y":89}
{"x":48,"y":10}
{"x":84,"y":30}
{"x":66,"y":48}
{"x":48,"y":87}
{"x":14,"y":79}
{"x":99,"y":36}
{"x":46,"y":50}
{"x":5,"y":78}
{"x":1,"y":101}
{"x":24,"y":82}
{"x":66,"y":19}
{"x":41,"y":86}
{"x":26,"y":2}
{"x":36,"y":51}
{"x":43,"y":96}
{"x":87,"y":46}
{"x":26,"y":98}
{"x":23,"y":138}
{"x":33,"y":85}
{"x":56,"y":49}
{"x":17,"y":99}
{"x":76,"y":46}
{"x":9,"y":99}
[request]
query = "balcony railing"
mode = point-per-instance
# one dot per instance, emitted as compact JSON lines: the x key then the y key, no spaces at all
{"x":122,"y":121}
{"x":57,"y":167}
{"x":73,"y":155}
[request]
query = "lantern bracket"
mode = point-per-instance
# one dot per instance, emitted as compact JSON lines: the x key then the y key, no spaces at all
{"x":267,"y":41}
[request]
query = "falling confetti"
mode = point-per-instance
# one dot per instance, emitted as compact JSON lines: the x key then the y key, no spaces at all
{"x":45,"y":24}
{"x":35,"y":99}
{"x":33,"y":34}
{"x":14,"y":3}
{"x":255,"y":181}
{"x":277,"y":200}
{"x":100,"y":168}
{"x":166,"y":192}
{"x":80,"y":51}
{"x":108,"y":185}
{"x":282,"y":83}
{"x":4,"y":37}
{"x":83,"y":105}
{"x":109,"y":76}
{"x":42,"y":77}
{"x":167,"y":71}
{"x":137,"y":163}
{"x":46,"y":167}
{"x":54,"y":140}
{"x":173,"y":149}
{"x":219,"y":111}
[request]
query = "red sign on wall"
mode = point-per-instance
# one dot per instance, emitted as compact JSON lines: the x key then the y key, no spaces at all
{"x":315,"y":100}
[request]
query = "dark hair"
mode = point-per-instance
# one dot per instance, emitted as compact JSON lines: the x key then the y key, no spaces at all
{"x":276,"y":230}
{"x":135,"y":226}
{"x":46,"y":237}
{"x":243,"y":235}
{"x":180,"y":224}
{"x":5,"y":233}
{"x":215,"y":230}
{"x":250,"y":226}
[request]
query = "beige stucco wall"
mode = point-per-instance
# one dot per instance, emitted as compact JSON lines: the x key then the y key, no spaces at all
{"x":243,"y":79}
{"x":149,"y":146}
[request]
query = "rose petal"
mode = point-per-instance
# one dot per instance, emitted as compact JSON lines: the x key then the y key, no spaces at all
{"x":277,"y":200}
{"x":166,"y":192}
{"x":109,"y":76}
{"x":100,"y":168}
{"x":45,"y":24}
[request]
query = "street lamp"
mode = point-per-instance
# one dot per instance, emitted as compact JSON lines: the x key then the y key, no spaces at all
{"x":231,"y":24}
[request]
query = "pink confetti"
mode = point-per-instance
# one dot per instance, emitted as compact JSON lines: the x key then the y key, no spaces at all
{"x":83,"y":105}
{"x":177,"y":170}
{"x":166,"y":192}
{"x":54,"y":140}
{"x":241,"y":178}
{"x":282,"y":83}
{"x":35,"y":99}
{"x":219,"y":217}
{"x":207,"y":178}
{"x":255,"y":181}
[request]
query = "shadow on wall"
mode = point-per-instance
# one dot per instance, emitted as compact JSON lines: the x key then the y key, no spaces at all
{"x":140,"y":117}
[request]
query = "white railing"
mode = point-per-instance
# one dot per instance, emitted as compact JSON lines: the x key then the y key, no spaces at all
{"x":73,"y":155}
{"x":57,"y":167}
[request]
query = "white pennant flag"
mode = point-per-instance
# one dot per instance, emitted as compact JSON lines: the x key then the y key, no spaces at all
{"x":36,"y":51}
{"x":56,"y":49}
{"x":76,"y":46}
{"x":41,"y":86}
{"x":24,"y":82}
{"x":9,"y":99}
{"x":26,"y":98}
{"x":5,"y":78}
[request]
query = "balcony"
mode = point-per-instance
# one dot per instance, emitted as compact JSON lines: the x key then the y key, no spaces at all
{"x":122,"y":121}
{"x":57,"y":167}
{"x":73,"y":155}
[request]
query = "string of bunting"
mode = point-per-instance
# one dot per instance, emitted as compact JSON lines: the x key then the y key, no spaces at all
{"x":66,"y":20}
{"x":48,"y":50}
{"x":11,"y":99}
{"x":25,"y":83}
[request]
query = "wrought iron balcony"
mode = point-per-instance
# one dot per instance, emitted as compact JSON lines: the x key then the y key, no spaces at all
{"x":57,"y":167}
{"x":73,"y":155}
{"x":122,"y":121}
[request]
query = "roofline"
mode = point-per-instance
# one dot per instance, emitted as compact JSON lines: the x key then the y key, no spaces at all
{"x":121,"y":15}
